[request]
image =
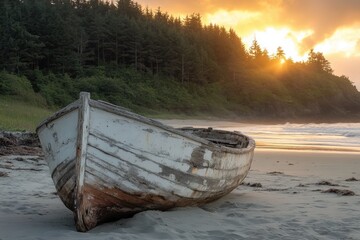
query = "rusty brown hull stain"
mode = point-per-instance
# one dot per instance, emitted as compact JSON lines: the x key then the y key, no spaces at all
{"x":110,"y":204}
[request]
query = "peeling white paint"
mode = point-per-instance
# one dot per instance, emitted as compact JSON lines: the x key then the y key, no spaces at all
{"x":121,"y":151}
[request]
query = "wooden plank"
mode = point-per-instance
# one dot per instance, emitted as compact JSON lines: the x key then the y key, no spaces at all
{"x":130,"y":115}
{"x":66,"y":193}
{"x":83,"y":133}
{"x":166,"y":148}
{"x":119,"y":154}
{"x":144,"y":158}
{"x":58,"y":139}
{"x":143,"y":179}
{"x":63,"y":173}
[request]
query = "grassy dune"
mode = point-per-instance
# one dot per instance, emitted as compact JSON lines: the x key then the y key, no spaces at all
{"x":20,"y":115}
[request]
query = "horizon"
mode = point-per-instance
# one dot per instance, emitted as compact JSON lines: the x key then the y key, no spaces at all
{"x":338,"y":38}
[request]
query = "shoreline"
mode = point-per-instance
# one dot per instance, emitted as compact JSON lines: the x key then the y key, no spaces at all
{"x":233,"y":122}
{"x":295,"y":137}
{"x":306,"y":148}
{"x":258,"y":120}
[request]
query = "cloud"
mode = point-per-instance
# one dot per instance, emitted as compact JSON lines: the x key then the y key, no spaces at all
{"x":358,"y":47}
{"x":174,"y":7}
{"x":205,"y":6}
{"x":324,"y":17}
{"x":344,"y":41}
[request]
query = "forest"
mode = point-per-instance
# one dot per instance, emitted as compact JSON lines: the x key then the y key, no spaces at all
{"x":151,"y":62}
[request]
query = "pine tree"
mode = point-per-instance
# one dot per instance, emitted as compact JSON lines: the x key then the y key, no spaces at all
{"x":319,"y":62}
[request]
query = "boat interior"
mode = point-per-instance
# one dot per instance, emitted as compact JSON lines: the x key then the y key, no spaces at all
{"x":220,"y":137}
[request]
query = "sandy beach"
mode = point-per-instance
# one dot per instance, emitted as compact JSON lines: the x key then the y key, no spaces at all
{"x":287,"y":195}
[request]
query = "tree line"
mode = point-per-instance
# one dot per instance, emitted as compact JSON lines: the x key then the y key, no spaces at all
{"x":61,"y":45}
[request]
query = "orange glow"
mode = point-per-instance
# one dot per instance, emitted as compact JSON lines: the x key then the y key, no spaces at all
{"x":230,"y":18}
{"x":271,"y":38}
{"x":330,"y":27}
{"x":343,"y":42}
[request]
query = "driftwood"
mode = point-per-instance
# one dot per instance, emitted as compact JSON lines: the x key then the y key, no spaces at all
{"x":19,"y":143}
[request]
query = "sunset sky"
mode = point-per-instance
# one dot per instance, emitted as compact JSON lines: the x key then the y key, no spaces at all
{"x":329,"y":26}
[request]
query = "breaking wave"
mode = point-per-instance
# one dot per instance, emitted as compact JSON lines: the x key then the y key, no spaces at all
{"x":327,"y":136}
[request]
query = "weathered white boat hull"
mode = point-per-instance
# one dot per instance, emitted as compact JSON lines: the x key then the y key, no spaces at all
{"x":108,"y":163}
{"x":58,"y":139}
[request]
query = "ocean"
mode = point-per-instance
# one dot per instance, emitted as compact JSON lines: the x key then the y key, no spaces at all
{"x":343,"y":137}
{"x":324,"y":136}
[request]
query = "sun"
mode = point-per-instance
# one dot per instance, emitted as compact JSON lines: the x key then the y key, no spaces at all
{"x":271,"y":38}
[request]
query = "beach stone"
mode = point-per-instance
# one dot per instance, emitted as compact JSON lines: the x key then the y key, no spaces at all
{"x":351,"y":180}
{"x":326,"y":183}
{"x":341,"y":192}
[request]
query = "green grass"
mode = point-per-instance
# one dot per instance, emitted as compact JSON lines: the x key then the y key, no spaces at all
{"x":18,"y":115}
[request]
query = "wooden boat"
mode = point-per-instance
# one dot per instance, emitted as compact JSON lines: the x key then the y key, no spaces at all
{"x":107,"y":162}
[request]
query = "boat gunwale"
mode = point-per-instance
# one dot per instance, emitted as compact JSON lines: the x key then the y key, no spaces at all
{"x":69,"y":108}
{"x":123,"y":112}
{"x":118,"y":110}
